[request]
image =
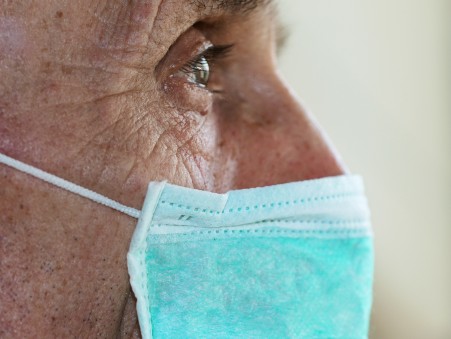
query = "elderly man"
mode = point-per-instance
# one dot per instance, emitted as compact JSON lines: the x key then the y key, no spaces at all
{"x":111,"y":95}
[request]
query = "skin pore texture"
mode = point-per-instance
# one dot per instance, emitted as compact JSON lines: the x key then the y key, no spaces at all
{"x":99,"y":93}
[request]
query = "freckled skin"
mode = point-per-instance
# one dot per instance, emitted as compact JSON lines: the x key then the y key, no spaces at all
{"x":90,"y":92}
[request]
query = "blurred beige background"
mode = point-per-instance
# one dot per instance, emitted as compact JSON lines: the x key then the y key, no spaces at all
{"x":377,"y":75}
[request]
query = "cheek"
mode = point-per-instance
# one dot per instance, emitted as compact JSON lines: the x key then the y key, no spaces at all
{"x":191,"y":130}
{"x":192,"y":124}
{"x":195,"y":141}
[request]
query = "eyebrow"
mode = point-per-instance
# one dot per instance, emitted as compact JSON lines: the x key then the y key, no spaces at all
{"x":234,"y":6}
{"x":245,"y":6}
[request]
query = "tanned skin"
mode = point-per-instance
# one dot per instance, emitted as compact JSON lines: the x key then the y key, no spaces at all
{"x":100,"y":93}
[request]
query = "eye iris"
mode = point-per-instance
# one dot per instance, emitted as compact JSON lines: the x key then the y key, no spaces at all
{"x":201,"y":71}
{"x":198,"y":70}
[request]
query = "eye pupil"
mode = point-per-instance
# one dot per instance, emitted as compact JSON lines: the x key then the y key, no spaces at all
{"x":201,"y":71}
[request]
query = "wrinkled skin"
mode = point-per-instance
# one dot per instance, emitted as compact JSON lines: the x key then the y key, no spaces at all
{"x":92,"y":91}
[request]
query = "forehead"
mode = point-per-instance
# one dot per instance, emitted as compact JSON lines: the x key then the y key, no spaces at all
{"x":172,"y":13}
{"x":151,"y":26}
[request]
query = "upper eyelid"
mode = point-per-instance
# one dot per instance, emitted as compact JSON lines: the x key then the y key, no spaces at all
{"x":216,"y":52}
{"x":212,"y":54}
{"x":186,"y":47}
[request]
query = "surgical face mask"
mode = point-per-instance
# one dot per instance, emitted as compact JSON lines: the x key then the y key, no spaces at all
{"x":285,"y":261}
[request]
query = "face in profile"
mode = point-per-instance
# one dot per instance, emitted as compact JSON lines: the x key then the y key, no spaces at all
{"x":112,"y":95}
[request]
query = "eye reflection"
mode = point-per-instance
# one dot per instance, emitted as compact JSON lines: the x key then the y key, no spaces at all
{"x":198,"y":71}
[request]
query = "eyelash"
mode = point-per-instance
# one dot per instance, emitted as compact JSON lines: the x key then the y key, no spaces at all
{"x":212,"y":55}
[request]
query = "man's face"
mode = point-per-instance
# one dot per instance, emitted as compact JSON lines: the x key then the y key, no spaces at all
{"x":126,"y":92}
{"x":111,"y":94}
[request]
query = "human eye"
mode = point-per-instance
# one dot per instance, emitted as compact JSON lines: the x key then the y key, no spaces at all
{"x":199,"y":69}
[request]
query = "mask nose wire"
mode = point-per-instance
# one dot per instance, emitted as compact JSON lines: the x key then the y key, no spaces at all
{"x":68,"y":186}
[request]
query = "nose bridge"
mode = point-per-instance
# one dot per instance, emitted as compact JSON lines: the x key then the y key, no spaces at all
{"x":287,"y":145}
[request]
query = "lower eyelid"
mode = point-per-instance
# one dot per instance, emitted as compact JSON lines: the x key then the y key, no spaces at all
{"x":188,"y":96}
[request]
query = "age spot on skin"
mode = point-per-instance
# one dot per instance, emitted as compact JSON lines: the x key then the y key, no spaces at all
{"x":59,"y":14}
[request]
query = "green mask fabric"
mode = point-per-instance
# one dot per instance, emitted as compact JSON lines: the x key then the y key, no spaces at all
{"x":286,"y":261}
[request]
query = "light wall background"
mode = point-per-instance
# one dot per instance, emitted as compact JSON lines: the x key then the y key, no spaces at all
{"x":377,"y":75}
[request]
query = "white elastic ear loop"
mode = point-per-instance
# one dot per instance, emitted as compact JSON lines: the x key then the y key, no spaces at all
{"x":69,"y":186}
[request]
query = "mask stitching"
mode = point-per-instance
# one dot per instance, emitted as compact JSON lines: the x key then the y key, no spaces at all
{"x":293,"y":221}
{"x":279,"y":231}
{"x":318,"y":222}
{"x":272,"y":230}
{"x":227,"y":234}
{"x":262,"y":206}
